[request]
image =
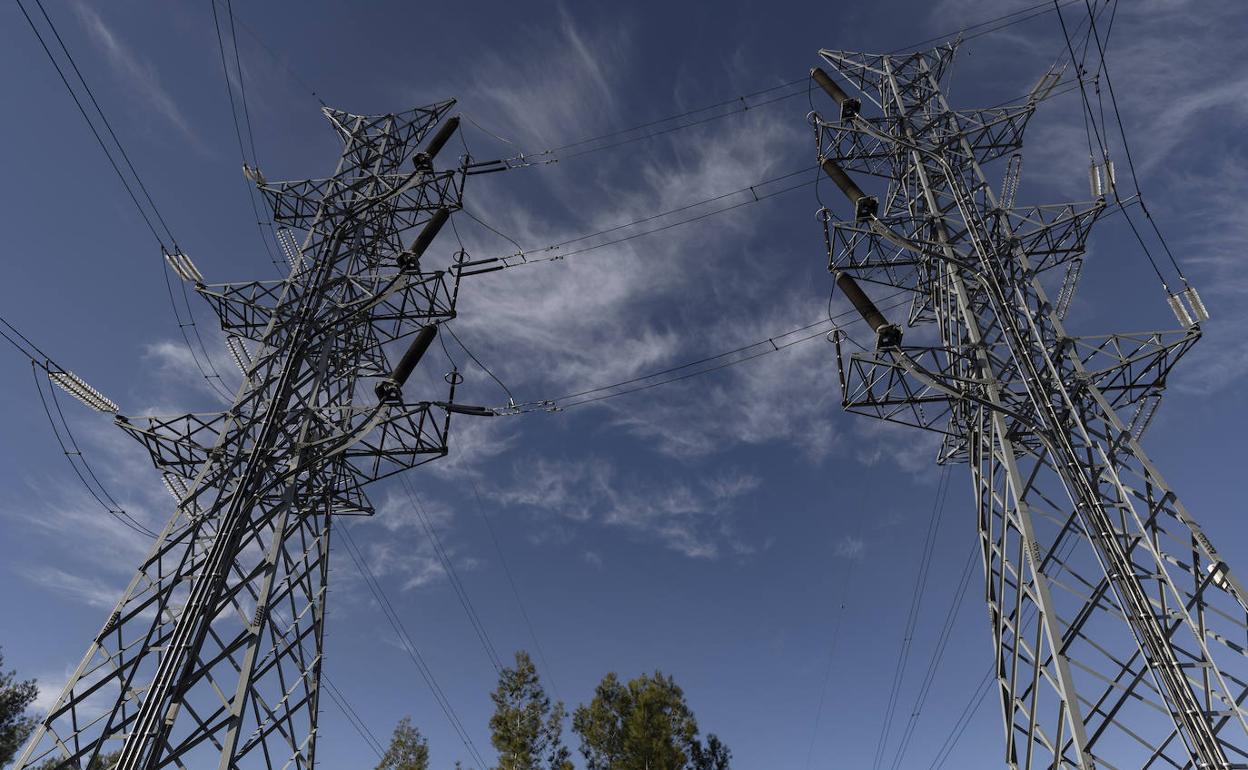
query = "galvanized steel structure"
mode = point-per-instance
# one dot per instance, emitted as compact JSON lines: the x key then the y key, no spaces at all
{"x":1119,"y":631}
{"x":212,"y":656}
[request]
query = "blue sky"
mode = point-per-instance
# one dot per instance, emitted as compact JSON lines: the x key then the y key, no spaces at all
{"x":712,"y":528}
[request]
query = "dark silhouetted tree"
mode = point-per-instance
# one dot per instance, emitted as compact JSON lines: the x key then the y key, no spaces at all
{"x":712,"y":756}
{"x":15,"y":724}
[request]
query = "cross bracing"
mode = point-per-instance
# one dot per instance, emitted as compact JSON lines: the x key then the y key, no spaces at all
{"x":212,"y":656}
{"x":1118,"y":630}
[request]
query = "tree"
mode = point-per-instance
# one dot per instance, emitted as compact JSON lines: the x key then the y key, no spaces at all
{"x":526,"y":730}
{"x":15,"y":724}
{"x":713,"y":756}
{"x":644,"y":725}
{"x":408,"y":749}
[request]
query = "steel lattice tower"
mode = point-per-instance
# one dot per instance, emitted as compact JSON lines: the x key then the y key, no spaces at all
{"x":1119,"y":631}
{"x":212,"y":656}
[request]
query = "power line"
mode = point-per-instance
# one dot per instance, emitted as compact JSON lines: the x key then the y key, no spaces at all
{"x":108,"y":126}
{"x":261,"y":221}
{"x":396,"y":623}
{"x":214,"y":378}
{"x":960,"y":33}
{"x":491,"y":264}
{"x":341,"y":701}
{"x":962,"y":722}
{"x":737,"y":106}
{"x":942,"y":642}
{"x":40,"y":361}
{"x":502,"y":560}
{"x":353,"y":717}
{"x":491,"y":652}
{"x":1089,"y":118}
{"x":73,"y":454}
{"x":1126,"y":145}
{"x":833,"y":637}
{"x":475,"y":360}
{"x":278,"y":60}
{"x":912,"y":617}
{"x":769,"y":345}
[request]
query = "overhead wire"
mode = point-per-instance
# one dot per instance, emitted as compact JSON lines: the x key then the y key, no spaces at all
{"x":737,"y":105}
{"x":833,"y":637}
{"x":65,"y":439}
{"x":253,"y":161}
{"x":515,"y":590}
{"x":961,"y":31}
{"x":280,"y":61}
{"x":978,"y":694}
{"x":1090,"y":121}
{"x":938,"y":653}
{"x":339,"y":698}
{"x":210,"y":373}
{"x":522,"y":255}
{"x":769,"y":345}
{"x":73,"y":453}
{"x":963,"y":721}
{"x":511,"y":399}
{"x":448,"y":566}
{"x":409,"y":647}
{"x":1122,"y":132}
{"x":912,"y":616}
{"x":353,"y":717}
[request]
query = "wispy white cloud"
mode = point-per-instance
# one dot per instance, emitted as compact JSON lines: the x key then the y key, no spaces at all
{"x":850,"y":547}
{"x":74,"y":586}
{"x":563,"y":87}
{"x":691,"y":516}
{"x":181,"y":376}
{"x":138,"y":75}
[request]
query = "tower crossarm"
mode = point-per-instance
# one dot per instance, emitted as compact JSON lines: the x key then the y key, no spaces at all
{"x":1128,"y":367}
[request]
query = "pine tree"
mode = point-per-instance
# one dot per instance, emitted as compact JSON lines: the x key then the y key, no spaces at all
{"x":644,"y":725}
{"x":713,"y":756}
{"x":526,"y":730}
{"x":15,"y":724}
{"x":408,"y":749}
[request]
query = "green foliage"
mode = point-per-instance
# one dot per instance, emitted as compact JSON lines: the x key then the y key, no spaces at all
{"x":526,"y":730}
{"x":713,"y":756}
{"x":15,"y":725}
{"x":644,"y":725}
{"x":408,"y":749}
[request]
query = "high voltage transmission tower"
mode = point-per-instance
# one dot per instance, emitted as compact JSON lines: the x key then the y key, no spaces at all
{"x":212,"y":656}
{"x":1119,"y":631}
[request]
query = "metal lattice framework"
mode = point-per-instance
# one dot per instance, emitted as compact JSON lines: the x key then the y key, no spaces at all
{"x":212,"y":656}
{"x":1119,"y":631}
